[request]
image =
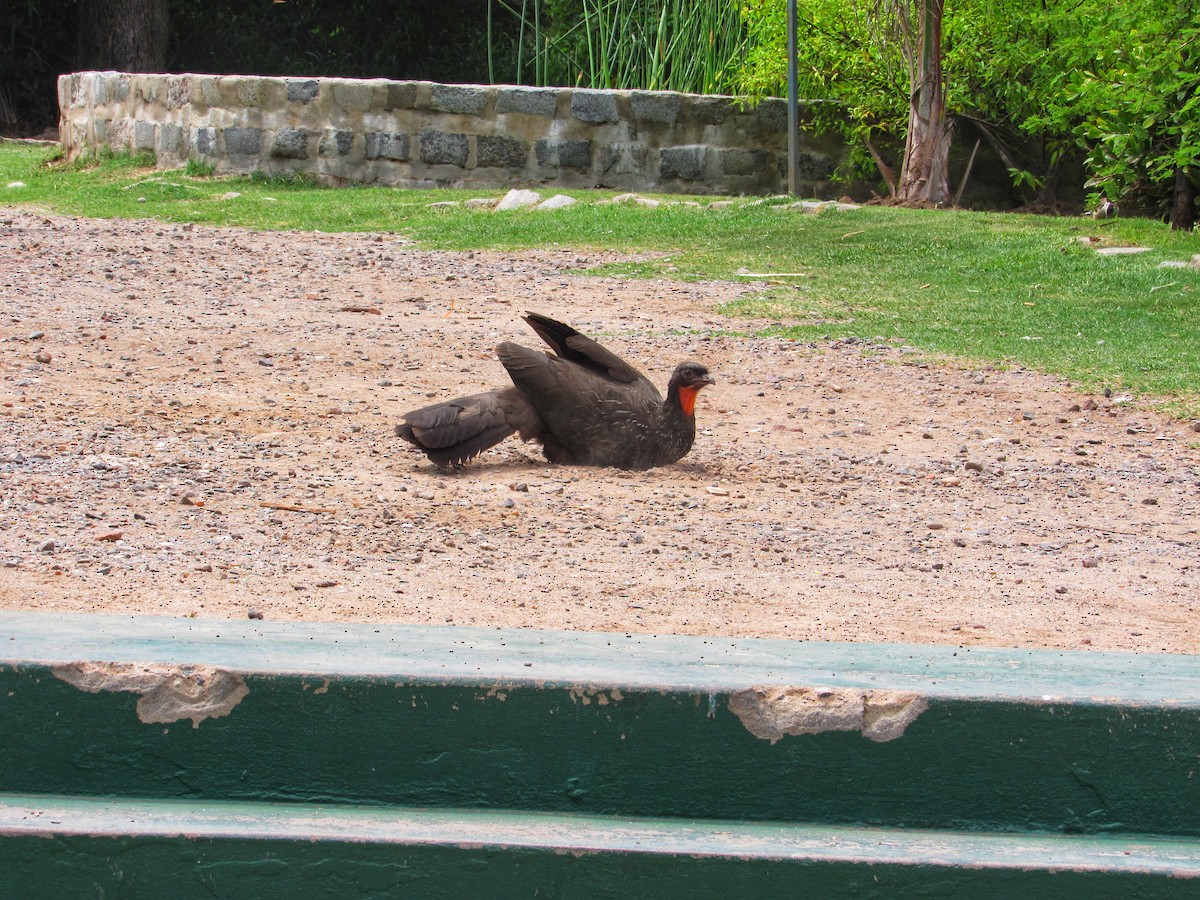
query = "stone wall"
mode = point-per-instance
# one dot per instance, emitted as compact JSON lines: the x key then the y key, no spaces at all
{"x":422,"y":134}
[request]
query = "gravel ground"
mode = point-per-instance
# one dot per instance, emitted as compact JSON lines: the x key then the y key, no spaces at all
{"x":199,"y":422}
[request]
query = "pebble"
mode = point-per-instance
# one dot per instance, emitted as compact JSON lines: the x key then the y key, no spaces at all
{"x":254,"y":614}
{"x":110,"y":536}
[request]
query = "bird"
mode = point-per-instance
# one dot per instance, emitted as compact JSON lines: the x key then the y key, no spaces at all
{"x":584,"y":404}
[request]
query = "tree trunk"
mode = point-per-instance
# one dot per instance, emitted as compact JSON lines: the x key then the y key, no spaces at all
{"x":1183,"y":203}
{"x":924,"y":176}
{"x":125,"y":35}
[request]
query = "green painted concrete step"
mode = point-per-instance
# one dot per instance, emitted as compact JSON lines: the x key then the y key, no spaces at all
{"x":534,"y":657}
{"x":122,"y":847}
{"x":853,"y":735}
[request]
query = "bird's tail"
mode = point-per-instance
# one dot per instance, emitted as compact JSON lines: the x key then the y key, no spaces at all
{"x":455,"y":431}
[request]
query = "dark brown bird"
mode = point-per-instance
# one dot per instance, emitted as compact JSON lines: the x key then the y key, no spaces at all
{"x":585,"y":405}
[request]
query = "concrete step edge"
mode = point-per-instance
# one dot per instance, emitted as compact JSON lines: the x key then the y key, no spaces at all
{"x":582,"y":835}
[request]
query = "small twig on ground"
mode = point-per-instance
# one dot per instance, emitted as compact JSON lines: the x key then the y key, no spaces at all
{"x":292,"y":507}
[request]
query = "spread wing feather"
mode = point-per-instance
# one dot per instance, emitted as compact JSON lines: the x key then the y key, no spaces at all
{"x":580,"y":349}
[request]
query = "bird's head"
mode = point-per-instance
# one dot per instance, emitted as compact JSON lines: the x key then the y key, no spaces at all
{"x":686,"y":382}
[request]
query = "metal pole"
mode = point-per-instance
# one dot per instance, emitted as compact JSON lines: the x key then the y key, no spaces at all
{"x":793,"y":105}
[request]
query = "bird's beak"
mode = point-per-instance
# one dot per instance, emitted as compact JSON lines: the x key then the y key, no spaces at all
{"x":708,"y":379}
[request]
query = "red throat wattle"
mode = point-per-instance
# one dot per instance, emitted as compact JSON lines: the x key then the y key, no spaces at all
{"x":687,"y":400}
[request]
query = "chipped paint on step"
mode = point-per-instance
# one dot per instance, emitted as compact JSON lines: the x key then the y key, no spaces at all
{"x":168,"y":693}
{"x":772,"y":712}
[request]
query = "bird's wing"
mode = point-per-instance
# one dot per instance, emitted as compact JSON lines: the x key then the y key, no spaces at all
{"x":592,"y":418}
{"x":574,"y":347}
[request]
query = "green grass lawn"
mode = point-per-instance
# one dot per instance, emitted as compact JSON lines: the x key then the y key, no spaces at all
{"x":979,"y":287}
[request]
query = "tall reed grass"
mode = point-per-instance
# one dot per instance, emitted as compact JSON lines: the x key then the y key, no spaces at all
{"x":697,"y":46}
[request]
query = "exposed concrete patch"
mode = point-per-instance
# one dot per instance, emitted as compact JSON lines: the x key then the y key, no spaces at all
{"x":585,"y":695}
{"x":168,"y":693}
{"x":771,"y":713}
{"x":886,"y":714}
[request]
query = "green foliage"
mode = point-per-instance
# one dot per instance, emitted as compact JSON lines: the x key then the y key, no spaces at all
{"x":841,"y":56}
{"x":989,"y":288}
{"x":1139,"y":99}
{"x":1118,"y":81}
{"x":696,"y":46}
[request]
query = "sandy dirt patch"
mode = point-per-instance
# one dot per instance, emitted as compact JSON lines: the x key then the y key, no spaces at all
{"x":199,"y":421}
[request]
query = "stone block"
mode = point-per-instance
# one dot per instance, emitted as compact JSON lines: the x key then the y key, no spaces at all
{"x":120,"y":88}
{"x":117,"y":134}
{"x":204,"y":141}
{"x":594,"y":107}
{"x":337,"y":143}
{"x":151,"y":87}
{"x":243,"y":141}
{"x":711,"y":110}
{"x":772,"y":114}
{"x":501,"y":151}
{"x":439,"y":148}
{"x":740,"y":161}
{"x":385,"y":145}
{"x":171,"y":139}
{"x":179,"y":92}
{"x":574,"y":154}
{"x":290,"y":143}
{"x":100,"y":91}
{"x":400,"y":95}
{"x":78,"y":92}
{"x":303,"y":91}
{"x":528,"y":101}
{"x":812,"y":166}
{"x":656,"y":106}
{"x":143,"y":135}
{"x":457,"y":98}
{"x":686,"y":163}
{"x":250,"y":92}
{"x":101,"y":132}
{"x":623,"y":159}
{"x":206,"y":90}
{"x":352,"y":96}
